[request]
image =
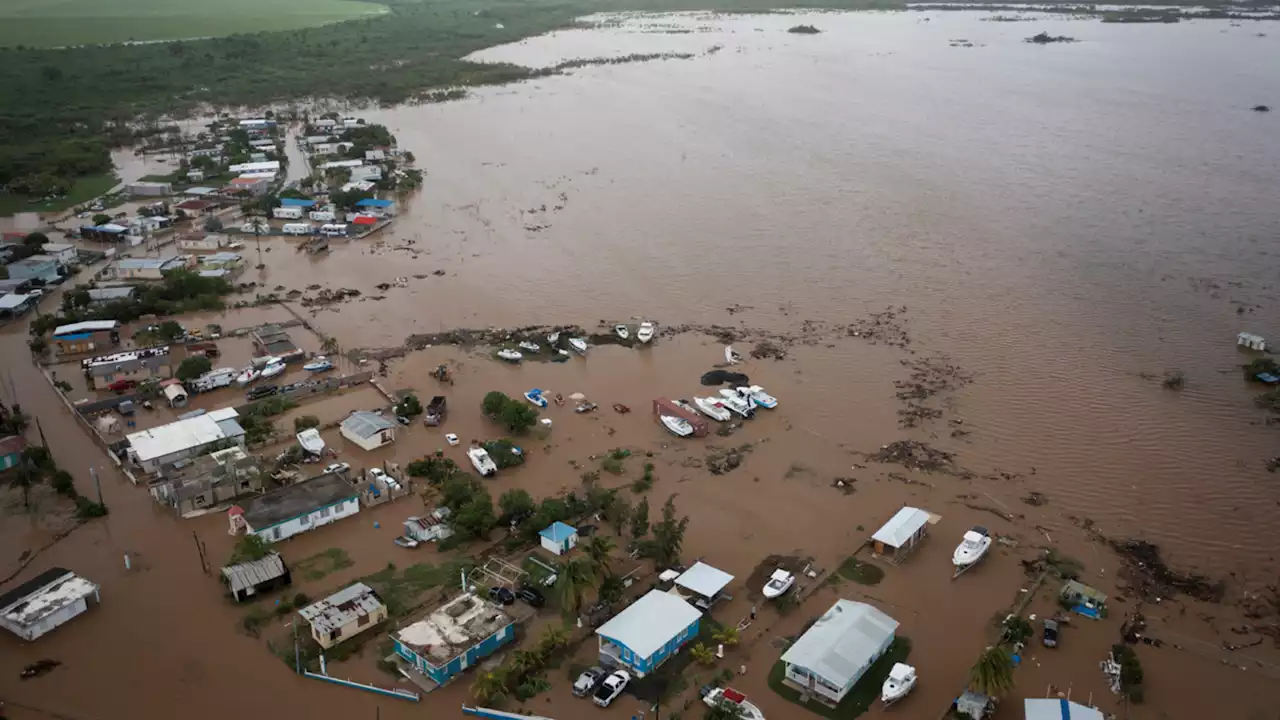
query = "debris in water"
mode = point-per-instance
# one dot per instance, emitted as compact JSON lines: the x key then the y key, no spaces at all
{"x":1035,"y":499}
{"x":1045,"y":38}
{"x":720,"y":462}
{"x":1148,"y":576}
{"x":913,"y":455}
{"x":768,"y":349}
{"x":721,"y":377}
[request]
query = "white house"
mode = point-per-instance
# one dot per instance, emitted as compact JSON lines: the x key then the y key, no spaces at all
{"x":44,"y":602}
{"x":900,"y":535}
{"x":256,"y":167}
{"x":144,"y":268}
{"x":150,"y":449}
{"x":64,"y":253}
{"x":429,"y":528}
{"x":368,"y":430}
{"x":559,"y":538}
{"x":295,"y":509}
{"x":832,"y":655}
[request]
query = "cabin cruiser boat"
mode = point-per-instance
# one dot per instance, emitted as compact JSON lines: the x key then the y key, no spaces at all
{"x":677,"y":425}
{"x":645,"y":333}
{"x":274,"y":367}
{"x":482,"y":462}
{"x":579,"y":345}
{"x":510,"y":355}
{"x":530,"y":346}
{"x":975,"y":544}
{"x":713,"y":408}
{"x":735,"y":402}
{"x":247,"y":376}
{"x":901,"y":680}
{"x":318,"y":364}
{"x":759,"y":396}
{"x":779,"y":583}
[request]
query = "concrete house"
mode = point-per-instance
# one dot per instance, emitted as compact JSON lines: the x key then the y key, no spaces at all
{"x":102,"y":295}
{"x":295,"y":509}
{"x":832,"y":655}
{"x":453,"y":637}
{"x":14,"y":305}
{"x":87,"y":336}
{"x":36,"y":267}
{"x":901,"y":534}
{"x":249,"y":579}
{"x":137,"y":365}
{"x":184,"y":439}
{"x":559,"y":538}
{"x":64,"y":253}
{"x":207,"y":481}
{"x":204,"y":242}
{"x":44,"y":602}
{"x":251,"y":185}
{"x":144,"y":269}
{"x":344,"y":614}
{"x":368,"y":430}
{"x":431,"y":527}
{"x":648,"y":632}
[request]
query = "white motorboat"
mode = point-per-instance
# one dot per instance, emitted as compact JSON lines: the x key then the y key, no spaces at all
{"x":677,"y":425}
{"x":311,"y":442}
{"x":579,"y":345}
{"x":645,"y":333}
{"x":535,"y":397}
{"x":713,"y":408}
{"x":482,"y":462}
{"x":622,"y":331}
{"x":247,"y":376}
{"x":732,"y":698}
{"x":735,"y":402}
{"x":553,"y":338}
{"x":530,"y":346}
{"x":274,"y":367}
{"x":779,"y":582}
{"x":318,"y":364}
{"x":759,"y":396}
{"x":731,"y":356}
{"x":510,"y":355}
{"x":975,"y":544}
{"x":901,"y":680}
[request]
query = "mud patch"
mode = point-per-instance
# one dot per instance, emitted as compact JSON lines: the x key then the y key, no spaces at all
{"x":721,"y":461}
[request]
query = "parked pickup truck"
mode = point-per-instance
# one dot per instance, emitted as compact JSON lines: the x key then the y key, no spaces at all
{"x":436,"y":410}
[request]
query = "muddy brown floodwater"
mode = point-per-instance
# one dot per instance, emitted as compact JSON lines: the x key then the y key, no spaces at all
{"x":1062,"y":224}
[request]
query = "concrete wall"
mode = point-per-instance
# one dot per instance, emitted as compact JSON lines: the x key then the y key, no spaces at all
{"x":351,"y":629}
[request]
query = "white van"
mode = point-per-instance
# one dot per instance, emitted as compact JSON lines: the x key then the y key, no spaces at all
{"x":286,"y":213}
{"x":323,"y":216}
{"x":333,"y":230}
{"x":298,"y":229}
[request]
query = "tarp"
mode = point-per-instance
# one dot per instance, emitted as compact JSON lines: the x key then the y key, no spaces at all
{"x":364,"y":220}
{"x":296,"y":202}
{"x":371,"y":202}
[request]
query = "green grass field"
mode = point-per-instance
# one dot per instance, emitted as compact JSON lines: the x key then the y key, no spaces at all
{"x":84,"y":190}
{"x":55,"y":23}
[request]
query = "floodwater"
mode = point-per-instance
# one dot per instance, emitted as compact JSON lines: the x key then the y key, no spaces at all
{"x":1065,"y":222}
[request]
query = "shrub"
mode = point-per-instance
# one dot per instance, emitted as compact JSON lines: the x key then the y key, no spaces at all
{"x":62,"y":483}
{"x":702,"y":654}
{"x":305,"y":422}
{"x":193,"y":367}
{"x":409,"y":406}
{"x":612,"y":466}
{"x":86,"y":508}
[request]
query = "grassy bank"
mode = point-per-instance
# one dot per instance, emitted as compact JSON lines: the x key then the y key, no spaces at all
{"x":82,"y":191}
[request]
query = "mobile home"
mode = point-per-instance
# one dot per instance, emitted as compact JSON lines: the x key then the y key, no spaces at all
{"x":298,"y":229}
{"x":214,"y":379}
{"x":333,"y":230}
{"x":286,"y":213}
{"x":324,"y":216}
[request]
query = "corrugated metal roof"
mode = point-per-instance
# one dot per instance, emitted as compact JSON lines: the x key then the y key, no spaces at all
{"x":650,"y":622}
{"x":86,"y":326}
{"x":251,"y":574}
{"x":365,"y":424}
{"x":13,"y":301}
{"x":341,"y":608}
{"x":842,"y":641}
{"x":905,"y":523}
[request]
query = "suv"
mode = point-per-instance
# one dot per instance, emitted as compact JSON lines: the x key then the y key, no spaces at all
{"x":261,"y":391}
{"x":587,"y":681}
{"x":501,"y":595}
{"x":531,"y":596}
{"x":1051,"y":633}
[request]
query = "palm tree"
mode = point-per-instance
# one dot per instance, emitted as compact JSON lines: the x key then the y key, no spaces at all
{"x":553,"y":638}
{"x":993,"y":673}
{"x":576,"y":576}
{"x":598,"y":549}
{"x":490,"y":686}
{"x":524,"y":662}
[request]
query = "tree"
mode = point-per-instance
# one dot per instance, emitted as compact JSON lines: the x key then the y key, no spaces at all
{"x":62,"y":483}
{"x":248,"y":549}
{"x":726,"y":635}
{"x":475,"y":518}
{"x":518,"y":417}
{"x":640,"y":520}
{"x":611,"y":589}
{"x":213,"y":224}
{"x":725,"y":711}
{"x":35,"y":240}
{"x":493,"y":403}
{"x":516,"y":504}
{"x":409,"y":406}
{"x":574,"y":579}
{"x":101,"y":219}
{"x":305,"y":422}
{"x":598,"y":548}
{"x":668,"y":535}
{"x":702,"y":654}
{"x":553,"y":638}
{"x":193,"y":367}
{"x":490,"y":687}
{"x":38,"y":345}
{"x":203,"y":163}
{"x":76,"y":298}
{"x":524,"y":662}
{"x":169,"y":331}
{"x":992,"y":674}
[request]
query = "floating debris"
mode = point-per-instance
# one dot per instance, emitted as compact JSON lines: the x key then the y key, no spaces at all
{"x":1149,"y":577}
{"x":913,"y":455}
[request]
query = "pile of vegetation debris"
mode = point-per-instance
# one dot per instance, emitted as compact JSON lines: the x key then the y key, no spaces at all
{"x":1151,"y":579}
{"x":721,"y":377}
{"x":913,"y":455}
{"x":720,"y":461}
{"x":1045,"y":38}
{"x":768,"y":349}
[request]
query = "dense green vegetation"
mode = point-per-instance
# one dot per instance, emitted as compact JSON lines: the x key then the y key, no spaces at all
{"x":181,"y":291}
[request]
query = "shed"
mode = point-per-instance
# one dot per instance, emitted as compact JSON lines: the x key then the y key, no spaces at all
{"x":1057,"y":709}
{"x":898,"y":537}
{"x":45,"y":602}
{"x":834,"y":653}
{"x":256,"y":577}
{"x":705,"y":582}
{"x":1085,"y":600}
{"x":434,"y":526}
{"x":650,"y":630}
{"x":175,"y":394}
{"x":368,"y":430}
{"x":559,"y":538}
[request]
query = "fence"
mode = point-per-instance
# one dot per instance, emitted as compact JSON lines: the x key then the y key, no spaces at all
{"x":395,"y":693}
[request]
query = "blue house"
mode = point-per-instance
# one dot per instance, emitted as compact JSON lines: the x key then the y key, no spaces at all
{"x":454,"y":637}
{"x":648,"y":632}
{"x":559,"y":538}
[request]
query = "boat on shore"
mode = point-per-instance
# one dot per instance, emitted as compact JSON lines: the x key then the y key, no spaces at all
{"x":677,"y":425}
{"x":779,"y":583}
{"x":530,"y":346}
{"x":274,"y":367}
{"x":972,"y":548}
{"x":579,"y":345}
{"x":901,"y":681}
{"x":741,"y":707}
{"x":735,"y":402}
{"x":645,"y":333}
{"x":731,"y":356}
{"x":757,"y":395}
{"x":247,"y":376}
{"x":622,"y":331}
{"x":553,"y":338}
{"x":535,"y":397}
{"x":318,"y":364}
{"x":713,"y":408}
{"x":482,"y":462}
{"x":510,"y":355}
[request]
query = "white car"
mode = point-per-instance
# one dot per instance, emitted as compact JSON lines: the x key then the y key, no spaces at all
{"x":378,"y":474}
{"x":586,"y":682}
{"x":338,"y":468}
{"x":611,"y":688}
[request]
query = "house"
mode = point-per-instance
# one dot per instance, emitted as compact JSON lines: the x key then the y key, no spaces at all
{"x":833,"y":654}
{"x":650,"y":630}
{"x":1057,"y":709}
{"x":344,"y":614}
{"x":252,"y":185}
{"x":108,"y":232}
{"x":1085,"y":600}
{"x":366,"y":173}
{"x":151,"y":189}
{"x":85,"y":336}
{"x":44,"y":602}
{"x":271,"y":166}
{"x":702,"y":585}
{"x":297,"y":202}
{"x":559,"y":538}
{"x":104,"y":295}
{"x":453,"y":637}
{"x":143,"y":269}
{"x":36,"y":267}
{"x":295,"y":509}
{"x":195,"y":175}
{"x":200,"y":192}
{"x":429,"y":528}
{"x":195,"y":208}
{"x":368,"y":430}
{"x":901,"y":534}
{"x":375,"y":206}
{"x":190,"y":486}
{"x":256,"y":577}
{"x":375,"y":155}
{"x":64,"y":253}
{"x":137,"y":365}
{"x":11,"y":451}
{"x":224,"y":260}
{"x":14,"y":305}
{"x":182,"y":439}
{"x":272,"y":340}
{"x":204,"y":242}
{"x":334,"y":164}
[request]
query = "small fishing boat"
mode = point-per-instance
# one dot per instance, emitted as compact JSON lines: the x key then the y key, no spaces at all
{"x":678,"y":426}
{"x":736,"y":703}
{"x":622,"y":331}
{"x":579,"y":345}
{"x":274,"y":367}
{"x":713,"y":408}
{"x":530,"y":346}
{"x":482,"y":462}
{"x":735,"y":402}
{"x":553,"y":338}
{"x":247,"y":376}
{"x":759,"y":396}
{"x":731,"y":356}
{"x":318,"y":364}
{"x":901,"y":680}
{"x":311,"y":441}
{"x":535,"y":397}
{"x":510,"y":355}
{"x":972,"y":547}
{"x":779,"y":583}
{"x":645,"y":333}
{"x":585,"y":407}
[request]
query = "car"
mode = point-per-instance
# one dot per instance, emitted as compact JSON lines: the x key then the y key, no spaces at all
{"x":403,"y":420}
{"x":122,"y":385}
{"x":587,"y":681}
{"x":532,"y":596}
{"x":405,"y":542}
{"x":338,"y":468}
{"x":377,"y":474}
{"x":36,"y":293}
{"x":1051,"y":633}
{"x":501,"y":595}
{"x":611,"y":688}
{"x":261,"y":391}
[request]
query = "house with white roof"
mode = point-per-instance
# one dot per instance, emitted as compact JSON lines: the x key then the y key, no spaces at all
{"x":64,"y":253}
{"x":1057,"y":709}
{"x":453,"y":637}
{"x":648,"y":632}
{"x":44,"y":602}
{"x":368,"y":430}
{"x":901,"y":534}
{"x":837,"y":650}
{"x":702,"y":584}
{"x":183,"y":439}
{"x":344,"y":614}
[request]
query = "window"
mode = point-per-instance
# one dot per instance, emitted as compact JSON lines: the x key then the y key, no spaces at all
{"x":304,"y":520}
{"x":275,"y":533}
{"x":324,"y":512}
{"x":362,"y":621}
{"x":244,"y":485}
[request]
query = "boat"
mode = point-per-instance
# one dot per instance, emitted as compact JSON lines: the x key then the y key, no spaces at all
{"x":585,"y":407}
{"x":579,"y":345}
{"x":645,"y":333}
{"x":677,"y":425}
{"x":311,"y":441}
{"x":713,"y":408}
{"x":975,"y":544}
{"x":318,"y":364}
{"x":247,"y":376}
{"x":510,"y":355}
{"x":482,"y":462}
{"x":779,"y":582}
{"x":535,"y":397}
{"x":731,"y":356}
{"x":530,"y":346}
{"x":743,"y":709}
{"x":759,"y":396}
{"x":684,"y":405}
{"x":622,"y":331}
{"x":735,"y":402}
{"x":274,"y":367}
{"x":901,"y":680}
{"x":553,"y":338}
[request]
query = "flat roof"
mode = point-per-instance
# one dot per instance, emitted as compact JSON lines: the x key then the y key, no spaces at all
{"x":112,"y":293}
{"x":251,"y":574}
{"x":200,"y":191}
{"x":292,"y":501}
{"x":296,"y":202}
{"x":1057,"y":709}
{"x":901,"y":527}
{"x":341,"y":608}
{"x":86,"y":326}
{"x":453,"y":628}
{"x":12,"y":301}
{"x":704,"y":579}
{"x":255,"y":166}
{"x":842,"y":641}
{"x":181,"y":435}
{"x":57,"y":247}
{"x":43,"y":595}
{"x":147,"y":263}
{"x":650,"y":622}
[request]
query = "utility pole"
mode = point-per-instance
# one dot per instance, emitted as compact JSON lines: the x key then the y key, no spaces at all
{"x":43,"y":442}
{"x":204,"y":563}
{"x":93,"y":473}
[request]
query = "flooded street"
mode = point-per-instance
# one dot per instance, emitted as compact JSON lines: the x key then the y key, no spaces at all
{"x":1065,"y":223}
